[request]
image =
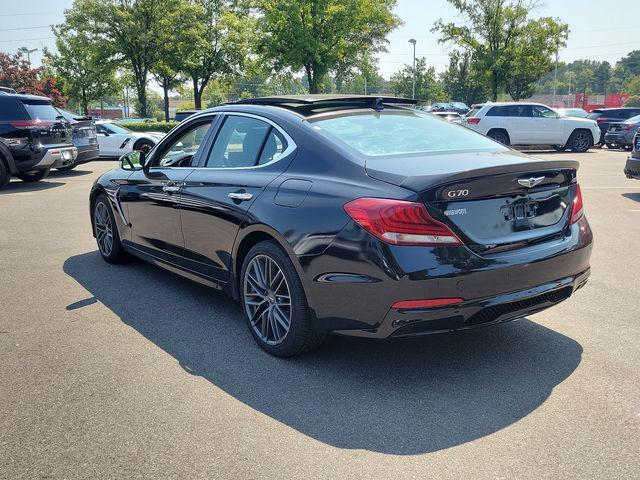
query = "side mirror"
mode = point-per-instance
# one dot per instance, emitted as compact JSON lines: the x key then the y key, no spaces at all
{"x":135,"y":160}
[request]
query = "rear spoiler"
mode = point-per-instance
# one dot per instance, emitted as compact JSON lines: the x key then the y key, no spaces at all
{"x":418,"y":183}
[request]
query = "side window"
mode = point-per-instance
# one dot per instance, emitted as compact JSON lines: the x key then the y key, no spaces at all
{"x":273,"y":147}
{"x":100,"y":129}
{"x":519,"y":111}
{"x":543,"y":112}
{"x":497,"y":112}
{"x":182,"y":150}
{"x":239,"y":143}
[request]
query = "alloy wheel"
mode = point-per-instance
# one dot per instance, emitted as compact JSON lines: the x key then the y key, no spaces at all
{"x":581,"y":141}
{"x":104,"y":229}
{"x":267,"y":300}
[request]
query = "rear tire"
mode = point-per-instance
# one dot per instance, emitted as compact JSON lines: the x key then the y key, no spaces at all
{"x":33,"y":175}
{"x":106,"y":231}
{"x":281,"y":327}
{"x":612,"y":146}
{"x":500,"y":136}
{"x":5,"y":174}
{"x":580,"y":141}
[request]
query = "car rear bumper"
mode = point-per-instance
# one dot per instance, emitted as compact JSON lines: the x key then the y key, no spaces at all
{"x":60,"y":157}
{"x":87,"y":153}
{"x":619,"y":138}
{"x":352,"y":286}
{"x":632,"y":168}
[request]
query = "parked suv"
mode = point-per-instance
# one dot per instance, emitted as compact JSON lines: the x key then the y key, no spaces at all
{"x":606,"y":116}
{"x":85,"y":138}
{"x":34,"y":138}
{"x":533,"y":124}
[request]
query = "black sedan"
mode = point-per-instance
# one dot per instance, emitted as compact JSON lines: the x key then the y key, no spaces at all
{"x":348,"y":214}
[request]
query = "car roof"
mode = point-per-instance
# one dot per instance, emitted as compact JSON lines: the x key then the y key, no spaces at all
{"x":28,"y":97}
{"x":308,"y":105}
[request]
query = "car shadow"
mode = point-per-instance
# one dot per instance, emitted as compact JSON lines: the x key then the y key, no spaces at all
{"x":401,"y":397}
{"x":69,"y":173}
{"x":18,"y":186}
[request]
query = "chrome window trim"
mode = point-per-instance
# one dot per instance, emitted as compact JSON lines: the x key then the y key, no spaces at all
{"x":291,"y":145}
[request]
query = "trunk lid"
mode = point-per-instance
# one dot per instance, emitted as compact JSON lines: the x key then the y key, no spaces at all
{"x":494,"y":201}
{"x":46,"y":125}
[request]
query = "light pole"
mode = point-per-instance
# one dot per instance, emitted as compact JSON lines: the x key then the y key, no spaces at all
{"x":28,"y":52}
{"x":413,"y":90}
{"x":555,"y":77}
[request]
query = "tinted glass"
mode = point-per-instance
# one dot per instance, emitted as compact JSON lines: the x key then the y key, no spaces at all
{"x":42,"y":111}
{"x":273,"y":147}
{"x":11,"y":109}
{"x":184,"y":147}
{"x":635,"y":119}
{"x":238,"y":143}
{"x":400,"y":133}
{"x":497,"y":112}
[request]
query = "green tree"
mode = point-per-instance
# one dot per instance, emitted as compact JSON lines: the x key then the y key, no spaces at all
{"x":172,"y":62}
{"x":428,"y":89}
{"x":323,"y":36}
{"x":133,"y":31}
{"x":222,"y":44}
{"x":462,"y":81}
{"x":531,"y":56}
{"x":493,"y":29}
{"x":87,"y":70}
{"x":631,"y":63}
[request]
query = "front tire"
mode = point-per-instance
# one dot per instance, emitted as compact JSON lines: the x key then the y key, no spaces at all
{"x":106,"y":232}
{"x":274,"y":303}
{"x":33,"y":175}
{"x":580,"y":141}
{"x":559,"y":148}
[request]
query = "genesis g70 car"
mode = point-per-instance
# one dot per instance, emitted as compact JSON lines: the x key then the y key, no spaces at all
{"x":352,"y":215}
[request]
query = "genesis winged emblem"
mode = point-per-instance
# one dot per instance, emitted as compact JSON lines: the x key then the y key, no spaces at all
{"x":530,"y":182}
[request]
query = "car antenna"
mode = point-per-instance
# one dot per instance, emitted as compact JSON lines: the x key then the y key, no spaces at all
{"x":378,"y":105}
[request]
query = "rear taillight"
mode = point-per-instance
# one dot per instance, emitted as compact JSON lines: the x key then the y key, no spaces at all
{"x":473,"y":120}
{"x":576,"y":207}
{"x":31,"y":123}
{"x":399,"y":222}
{"x":628,"y":126}
{"x":600,"y":120}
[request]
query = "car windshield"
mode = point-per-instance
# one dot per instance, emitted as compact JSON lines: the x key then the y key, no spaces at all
{"x":635,"y":119}
{"x":113,"y":128}
{"x":401,"y":133}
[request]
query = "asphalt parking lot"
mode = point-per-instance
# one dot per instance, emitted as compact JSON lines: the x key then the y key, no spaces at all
{"x":131,"y":372}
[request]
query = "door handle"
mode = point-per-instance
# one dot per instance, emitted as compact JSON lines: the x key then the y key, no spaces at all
{"x":241,"y":196}
{"x":172,"y":187}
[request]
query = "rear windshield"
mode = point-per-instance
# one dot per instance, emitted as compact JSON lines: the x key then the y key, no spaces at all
{"x":42,"y":111}
{"x":401,"y":133}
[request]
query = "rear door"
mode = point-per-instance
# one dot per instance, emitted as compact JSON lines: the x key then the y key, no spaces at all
{"x":248,"y":152}
{"x":47,"y":125}
{"x":516,"y":119}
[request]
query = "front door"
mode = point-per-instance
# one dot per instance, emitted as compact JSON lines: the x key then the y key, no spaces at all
{"x":152,"y":195}
{"x":548,"y":126}
{"x":248,"y":153}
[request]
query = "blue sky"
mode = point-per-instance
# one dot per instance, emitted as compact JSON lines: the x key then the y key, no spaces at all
{"x":594,"y":33}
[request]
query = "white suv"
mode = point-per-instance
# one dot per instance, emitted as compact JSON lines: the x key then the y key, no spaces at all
{"x":533,"y":124}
